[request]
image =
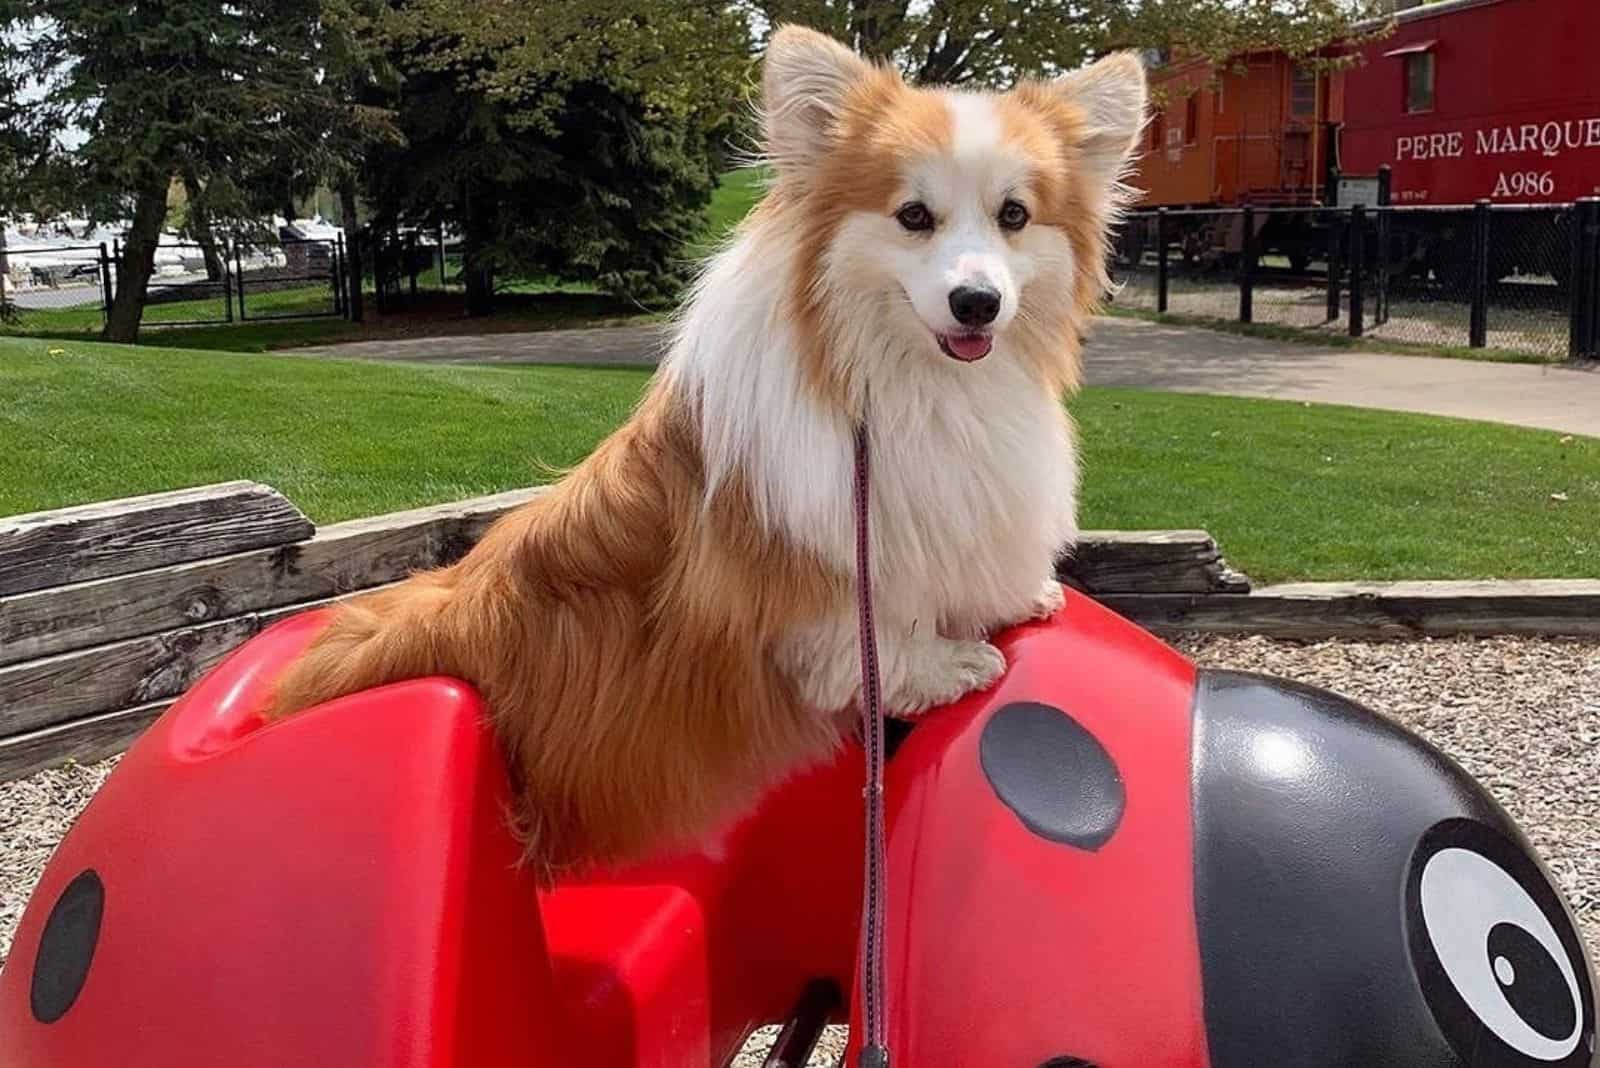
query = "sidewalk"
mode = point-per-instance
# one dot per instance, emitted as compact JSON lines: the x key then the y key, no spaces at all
{"x":1145,"y":355}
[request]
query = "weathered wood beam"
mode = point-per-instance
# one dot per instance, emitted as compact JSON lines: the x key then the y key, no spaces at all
{"x":339,"y":559}
{"x":91,"y":682}
{"x":373,"y":552}
{"x":83,"y":740}
{"x":41,"y":549}
{"x":1150,"y":561}
{"x":1377,"y":609}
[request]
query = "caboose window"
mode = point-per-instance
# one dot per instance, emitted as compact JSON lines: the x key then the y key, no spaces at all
{"x":1158,"y":124}
{"x":1419,"y":81}
{"x":1303,"y":93}
{"x":1191,"y":119}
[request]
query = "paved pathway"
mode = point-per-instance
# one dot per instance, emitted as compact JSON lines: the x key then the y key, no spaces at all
{"x":1145,"y":355}
{"x":610,"y":344}
{"x":1140,"y":354}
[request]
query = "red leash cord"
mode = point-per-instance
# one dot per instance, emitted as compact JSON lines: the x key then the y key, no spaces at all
{"x":874,"y":1044}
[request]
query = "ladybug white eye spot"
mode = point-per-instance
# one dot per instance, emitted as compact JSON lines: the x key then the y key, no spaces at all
{"x":1502,"y":954}
{"x":1504,"y":972}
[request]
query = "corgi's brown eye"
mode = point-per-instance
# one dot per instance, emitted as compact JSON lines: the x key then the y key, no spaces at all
{"x":1013,"y":216}
{"x":915,"y":216}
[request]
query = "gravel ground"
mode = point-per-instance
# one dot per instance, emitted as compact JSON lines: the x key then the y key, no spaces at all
{"x":1523,"y":715}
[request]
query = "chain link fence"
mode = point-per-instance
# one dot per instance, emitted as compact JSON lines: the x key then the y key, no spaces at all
{"x":1503,"y":277}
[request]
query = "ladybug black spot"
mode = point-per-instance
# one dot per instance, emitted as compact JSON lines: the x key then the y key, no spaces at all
{"x":1053,"y":774}
{"x":66,"y":948}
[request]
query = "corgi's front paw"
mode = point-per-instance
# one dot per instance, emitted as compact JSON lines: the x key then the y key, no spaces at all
{"x":938,"y":671}
{"x":1047,"y":602}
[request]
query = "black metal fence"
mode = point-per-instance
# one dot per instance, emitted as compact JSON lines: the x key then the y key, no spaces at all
{"x":1523,"y":279}
{"x":70,"y":287}
{"x":405,"y":260}
{"x":52,"y":283}
{"x":300,"y":278}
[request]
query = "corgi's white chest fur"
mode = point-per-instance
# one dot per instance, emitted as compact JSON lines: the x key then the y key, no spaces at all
{"x":973,"y":470}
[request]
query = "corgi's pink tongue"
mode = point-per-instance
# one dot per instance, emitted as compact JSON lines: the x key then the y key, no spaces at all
{"x":968,"y":347}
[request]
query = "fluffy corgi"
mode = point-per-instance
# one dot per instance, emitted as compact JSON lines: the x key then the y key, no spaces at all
{"x":672,"y":627}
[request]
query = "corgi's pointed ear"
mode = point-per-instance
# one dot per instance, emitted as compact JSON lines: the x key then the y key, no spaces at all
{"x":1113,"y":97}
{"x":805,"y":79}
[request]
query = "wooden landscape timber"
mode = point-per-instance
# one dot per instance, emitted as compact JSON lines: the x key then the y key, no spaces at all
{"x":1315,"y":610}
{"x":336,"y":559}
{"x":1150,"y":561}
{"x":109,"y":612}
{"x":42,"y":549}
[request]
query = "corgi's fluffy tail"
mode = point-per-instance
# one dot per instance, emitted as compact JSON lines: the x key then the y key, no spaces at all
{"x":378,"y":638}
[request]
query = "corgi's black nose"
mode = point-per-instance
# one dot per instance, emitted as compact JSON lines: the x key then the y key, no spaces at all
{"x":974,"y":305}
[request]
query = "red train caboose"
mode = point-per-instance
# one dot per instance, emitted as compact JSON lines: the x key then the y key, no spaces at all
{"x":1253,"y":132}
{"x":1466,"y":100}
{"x":1473,"y":99}
{"x":1247,"y":133}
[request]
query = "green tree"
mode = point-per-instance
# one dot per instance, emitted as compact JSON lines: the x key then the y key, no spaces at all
{"x":576,"y":139}
{"x":993,"y":42}
{"x":202,"y":90}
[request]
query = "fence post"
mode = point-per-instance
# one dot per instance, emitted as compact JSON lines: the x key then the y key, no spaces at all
{"x":442,"y":282}
{"x":336,"y":272}
{"x":411,"y":262}
{"x":1478,"y":330}
{"x":1381,"y":224}
{"x":1247,"y":267}
{"x":106,"y":290}
{"x":379,"y":249}
{"x":1358,"y":268}
{"x":227,"y":286}
{"x":354,"y":278}
{"x":1161,"y":260}
{"x":1585,"y":279}
{"x":1591,"y":278}
{"x":238,"y":270}
{"x":1337,"y":226}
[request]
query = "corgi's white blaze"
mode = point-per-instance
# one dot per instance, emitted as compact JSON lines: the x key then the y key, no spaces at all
{"x":975,"y":125}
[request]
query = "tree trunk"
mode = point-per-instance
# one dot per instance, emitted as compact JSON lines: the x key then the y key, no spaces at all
{"x":479,"y":277}
{"x":875,"y":26}
{"x":475,"y":267}
{"x":137,"y":262}
{"x":200,"y":227}
{"x":347,"y":205}
{"x":355,"y":271}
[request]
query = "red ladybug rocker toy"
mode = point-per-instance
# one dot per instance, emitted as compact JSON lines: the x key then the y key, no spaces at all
{"x":1110,"y":860}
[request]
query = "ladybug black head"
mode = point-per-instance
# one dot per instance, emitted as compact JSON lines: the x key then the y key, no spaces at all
{"x":1361,"y":900}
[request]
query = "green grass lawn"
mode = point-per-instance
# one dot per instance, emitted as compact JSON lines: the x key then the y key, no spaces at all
{"x":1290,"y":491}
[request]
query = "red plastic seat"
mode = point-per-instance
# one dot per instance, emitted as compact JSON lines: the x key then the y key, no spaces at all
{"x":341,"y":888}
